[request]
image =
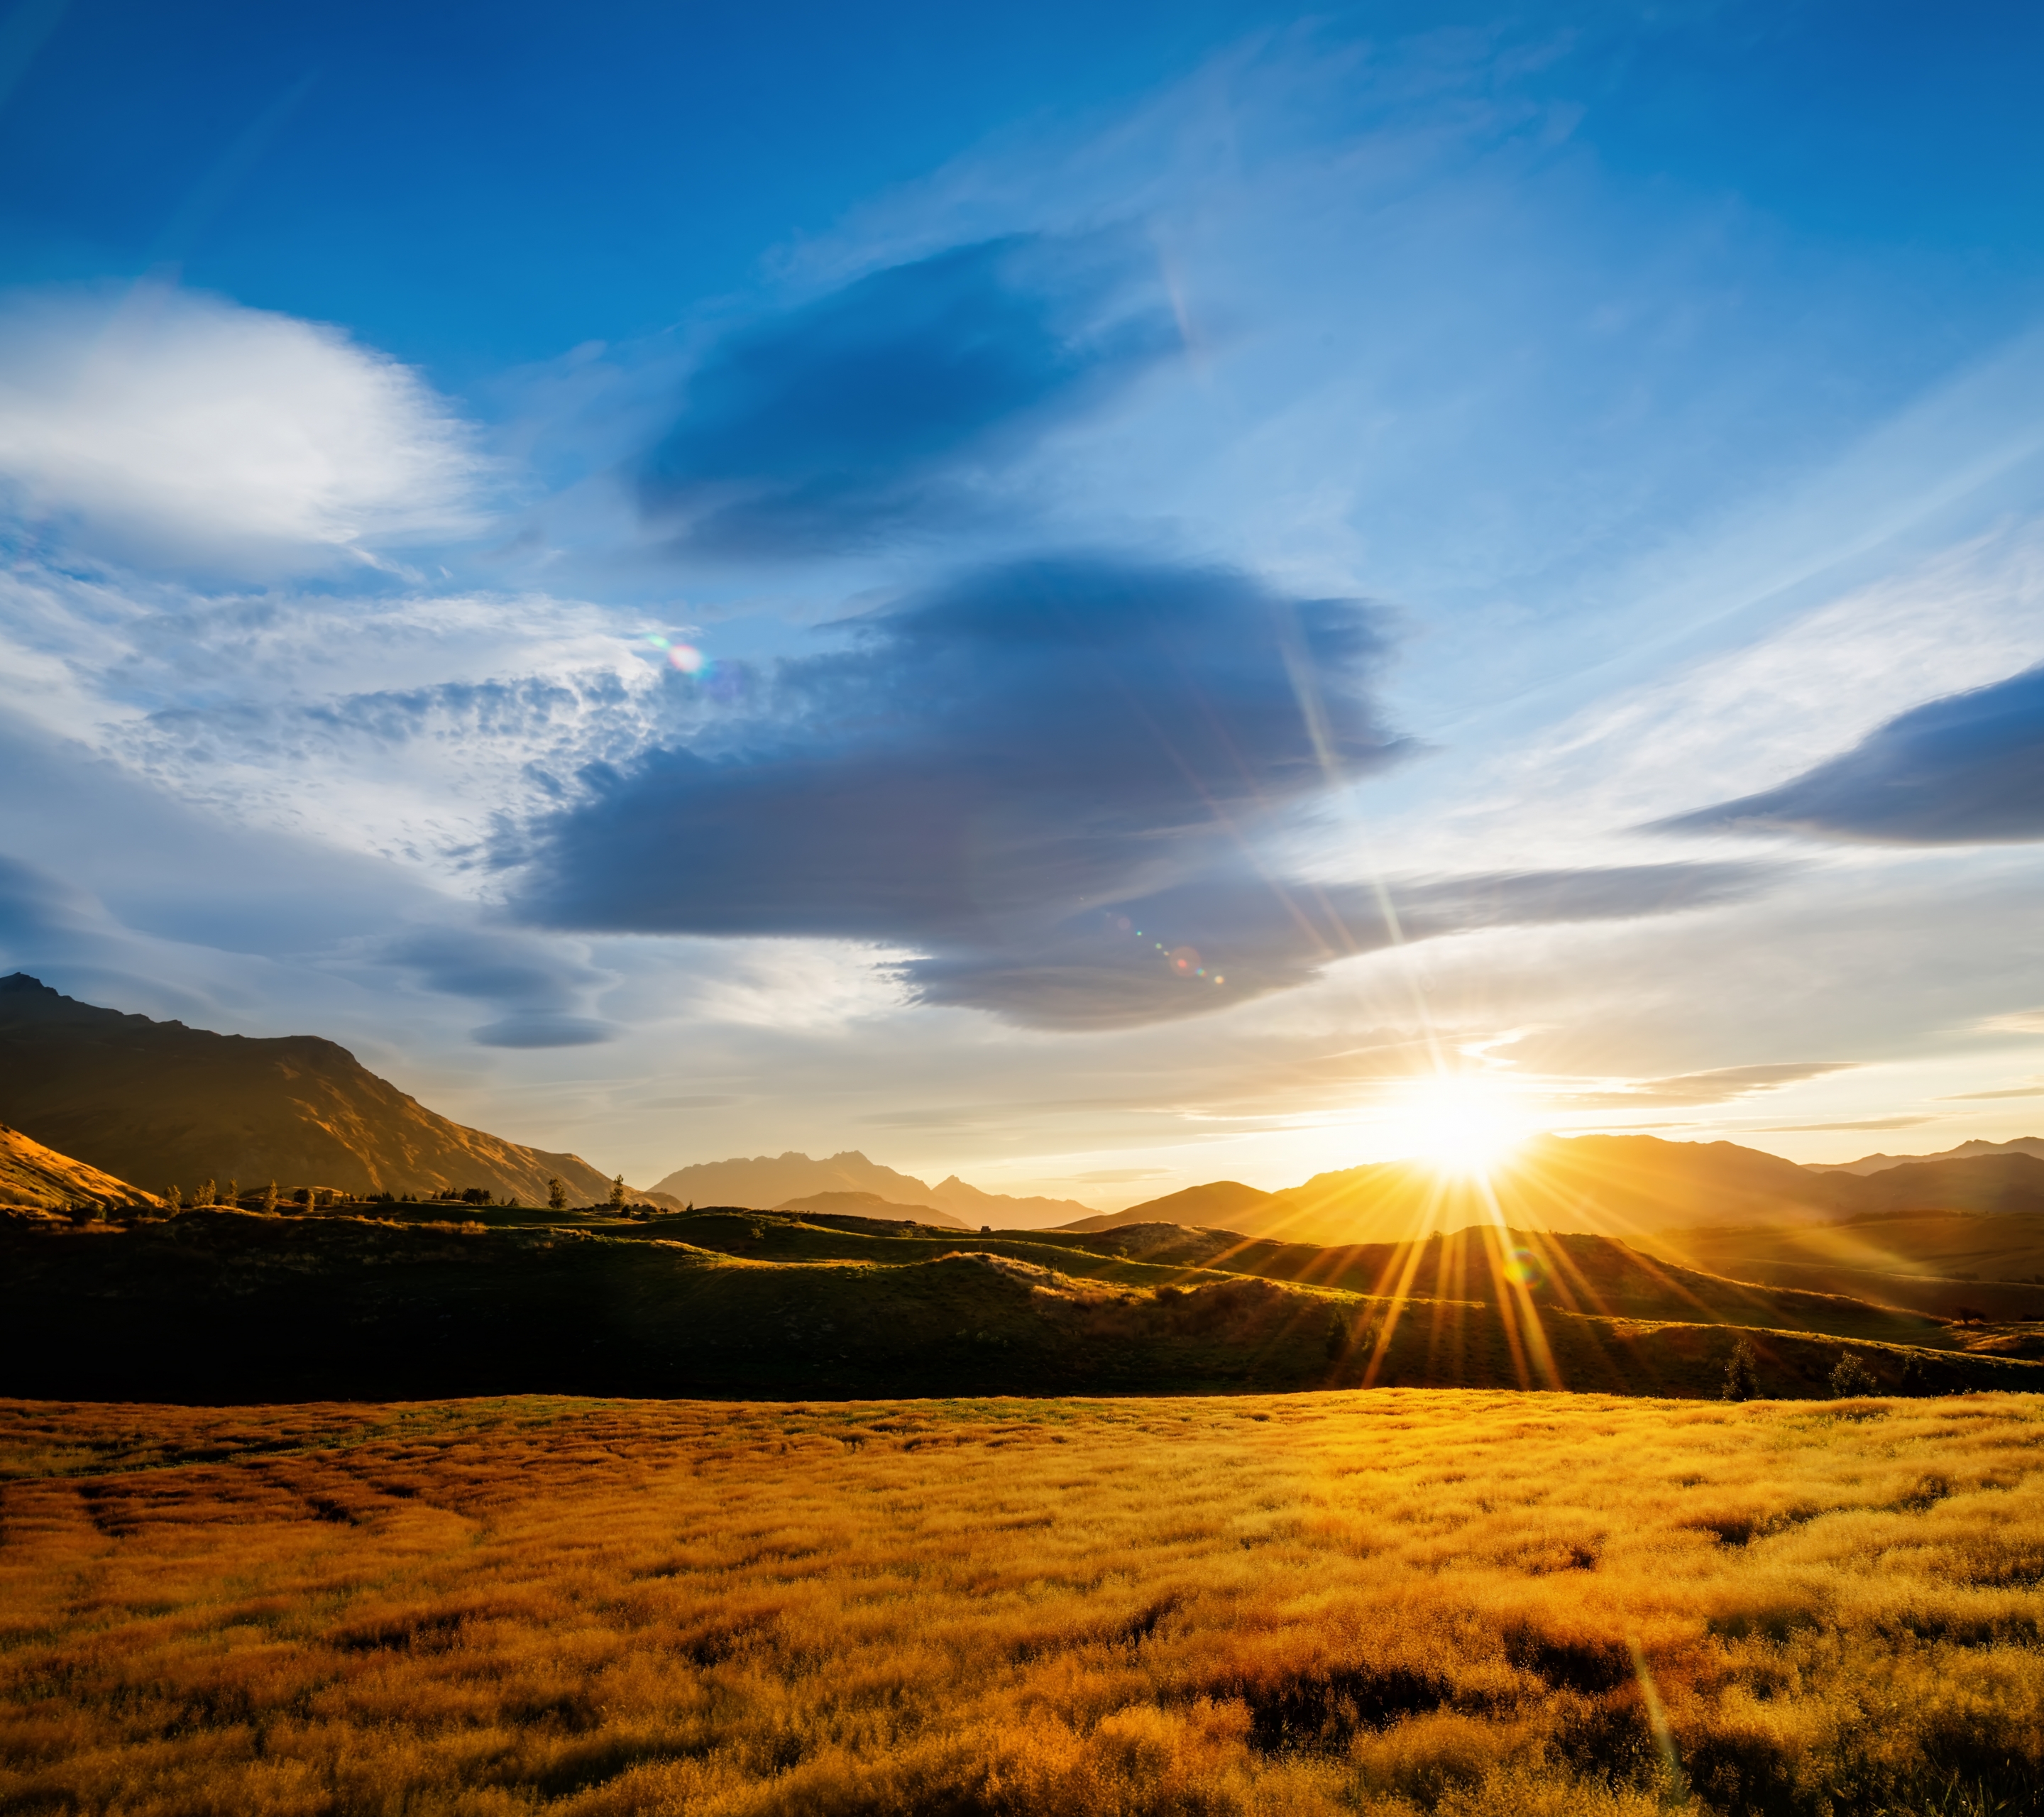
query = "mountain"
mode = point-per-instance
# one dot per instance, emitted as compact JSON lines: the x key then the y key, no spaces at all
{"x":158,"y":1102}
{"x":767,"y":1181}
{"x":869,"y":1205}
{"x":1213,"y":1206}
{"x":1615,"y":1185}
{"x":43,"y":1179}
{"x":2031,"y":1145}
{"x":2000,"y":1181}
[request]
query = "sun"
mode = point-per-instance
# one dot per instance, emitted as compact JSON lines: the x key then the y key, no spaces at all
{"x":1462,"y":1124}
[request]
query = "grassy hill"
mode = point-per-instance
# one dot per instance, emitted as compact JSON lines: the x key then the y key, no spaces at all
{"x":42,"y":1180}
{"x":161,"y":1103}
{"x":1220,"y":1204}
{"x":230,"y":1306}
{"x":1931,"y":1262}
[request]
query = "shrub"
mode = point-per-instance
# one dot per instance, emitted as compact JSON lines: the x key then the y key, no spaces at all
{"x":1741,"y":1373}
{"x":1852,"y":1377}
{"x":557,"y":1195}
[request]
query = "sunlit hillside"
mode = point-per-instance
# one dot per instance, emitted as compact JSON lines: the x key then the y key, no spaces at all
{"x":1392,"y":1603}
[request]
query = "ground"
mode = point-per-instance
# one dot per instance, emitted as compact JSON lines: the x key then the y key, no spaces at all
{"x":1397,"y":1600}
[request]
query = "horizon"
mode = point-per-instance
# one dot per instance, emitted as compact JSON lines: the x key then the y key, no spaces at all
{"x":1093,"y":602}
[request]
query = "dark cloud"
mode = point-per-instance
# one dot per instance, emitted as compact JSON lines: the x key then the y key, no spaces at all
{"x":539,"y":992}
{"x":1013,"y":776}
{"x":879,"y":408}
{"x":1233,"y":933}
{"x":1963,"y":770}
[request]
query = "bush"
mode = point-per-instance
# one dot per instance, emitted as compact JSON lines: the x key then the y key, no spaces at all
{"x":1853,"y":1377}
{"x":1741,"y":1373}
{"x":557,"y":1196}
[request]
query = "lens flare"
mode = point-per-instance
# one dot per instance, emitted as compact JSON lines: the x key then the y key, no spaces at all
{"x":686,"y":657}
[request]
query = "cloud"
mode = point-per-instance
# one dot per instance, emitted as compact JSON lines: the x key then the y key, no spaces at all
{"x":166,"y":427}
{"x":876,"y":409}
{"x":1047,"y":786}
{"x":540,"y":990}
{"x":1865,"y":1123}
{"x":2012,"y":1092}
{"x":1722,"y":1084}
{"x":1963,"y":770}
{"x":987,"y":760}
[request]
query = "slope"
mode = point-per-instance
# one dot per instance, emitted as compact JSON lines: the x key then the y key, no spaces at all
{"x":233,"y":1307}
{"x":159,"y":1103}
{"x":42,"y":1180}
{"x":868,"y":1205}
{"x":1938,"y":1262}
{"x":1220,"y":1203}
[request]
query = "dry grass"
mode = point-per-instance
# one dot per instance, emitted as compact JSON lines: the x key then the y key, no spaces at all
{"x":1397,"y":1601}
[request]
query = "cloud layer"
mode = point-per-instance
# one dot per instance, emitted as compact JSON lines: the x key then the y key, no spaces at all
{"x":881,"y":408}
{"x":1967,"y":769}
{"x":165,"y":427}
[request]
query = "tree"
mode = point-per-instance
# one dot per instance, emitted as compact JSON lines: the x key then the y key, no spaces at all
{"x":1853,"y":1377}
{"x":306,"y":1197}
{"x":557,"y":1195}
{"x":174,"y":1201}
{"x":1742,"y":1380}
{"x":205,"y":1195}
{"x":617,"y":1193}
{"x":269,"y":1197}
{"x":234,"y":1191}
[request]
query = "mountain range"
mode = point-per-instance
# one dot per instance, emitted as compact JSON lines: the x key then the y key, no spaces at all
{"x":767,"y":1181}
{"x":2031,"y":1145}
{"x":1616,"y":1184}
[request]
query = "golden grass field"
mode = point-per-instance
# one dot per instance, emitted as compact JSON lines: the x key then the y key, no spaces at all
{"x":1396,"y":1601}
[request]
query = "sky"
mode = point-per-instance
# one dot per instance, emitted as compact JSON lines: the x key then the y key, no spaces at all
{"x":1097,"y":597}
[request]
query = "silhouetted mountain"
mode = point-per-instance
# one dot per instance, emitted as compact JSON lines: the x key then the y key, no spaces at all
{"x":1216,"y":1205}
{"x":767,"y":1181}
{"x":869,"y":1205}
{"x":38,"y":1178}
{"x":160,"y":1103}
{"x":1997,"y":1182}
{"x":1617,"y":1185}
{"x":2030,"y":1145}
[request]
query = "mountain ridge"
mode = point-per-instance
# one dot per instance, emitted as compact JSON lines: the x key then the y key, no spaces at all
{"x":159,"y":1104}
{"x":763,"y":1182}
{"x":1976,"y":1150}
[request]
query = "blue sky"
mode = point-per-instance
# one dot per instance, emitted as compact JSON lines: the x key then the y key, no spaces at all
{"x":1095,"y":597}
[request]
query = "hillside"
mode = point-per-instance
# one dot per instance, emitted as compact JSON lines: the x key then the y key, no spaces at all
{"x":768,"y":1179}
{"x":1221,"y":1204}
{"x":2030,"y":1145}
{"x":40,"y":1179}
{"x":1935,"y":1261}
{"x":159,"y":1103}
{"x":230,"y":1306}
{"x":868,"y":1205}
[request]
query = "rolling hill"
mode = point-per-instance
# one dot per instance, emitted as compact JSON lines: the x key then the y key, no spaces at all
{"x":159,"y":1103}
{"x":232,"y":1306}
{"x":869,"y":1205}
{"x":1220,"y":1204}
{"x":1938,"y":1262}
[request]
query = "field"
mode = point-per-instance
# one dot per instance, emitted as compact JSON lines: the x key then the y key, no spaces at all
{"x":1394,"y":1601}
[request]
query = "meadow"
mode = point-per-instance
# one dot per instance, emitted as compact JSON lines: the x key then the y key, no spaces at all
{"x":1395,"y":1601}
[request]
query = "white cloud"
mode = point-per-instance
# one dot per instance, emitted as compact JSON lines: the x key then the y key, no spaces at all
{"x":161,"y":426}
